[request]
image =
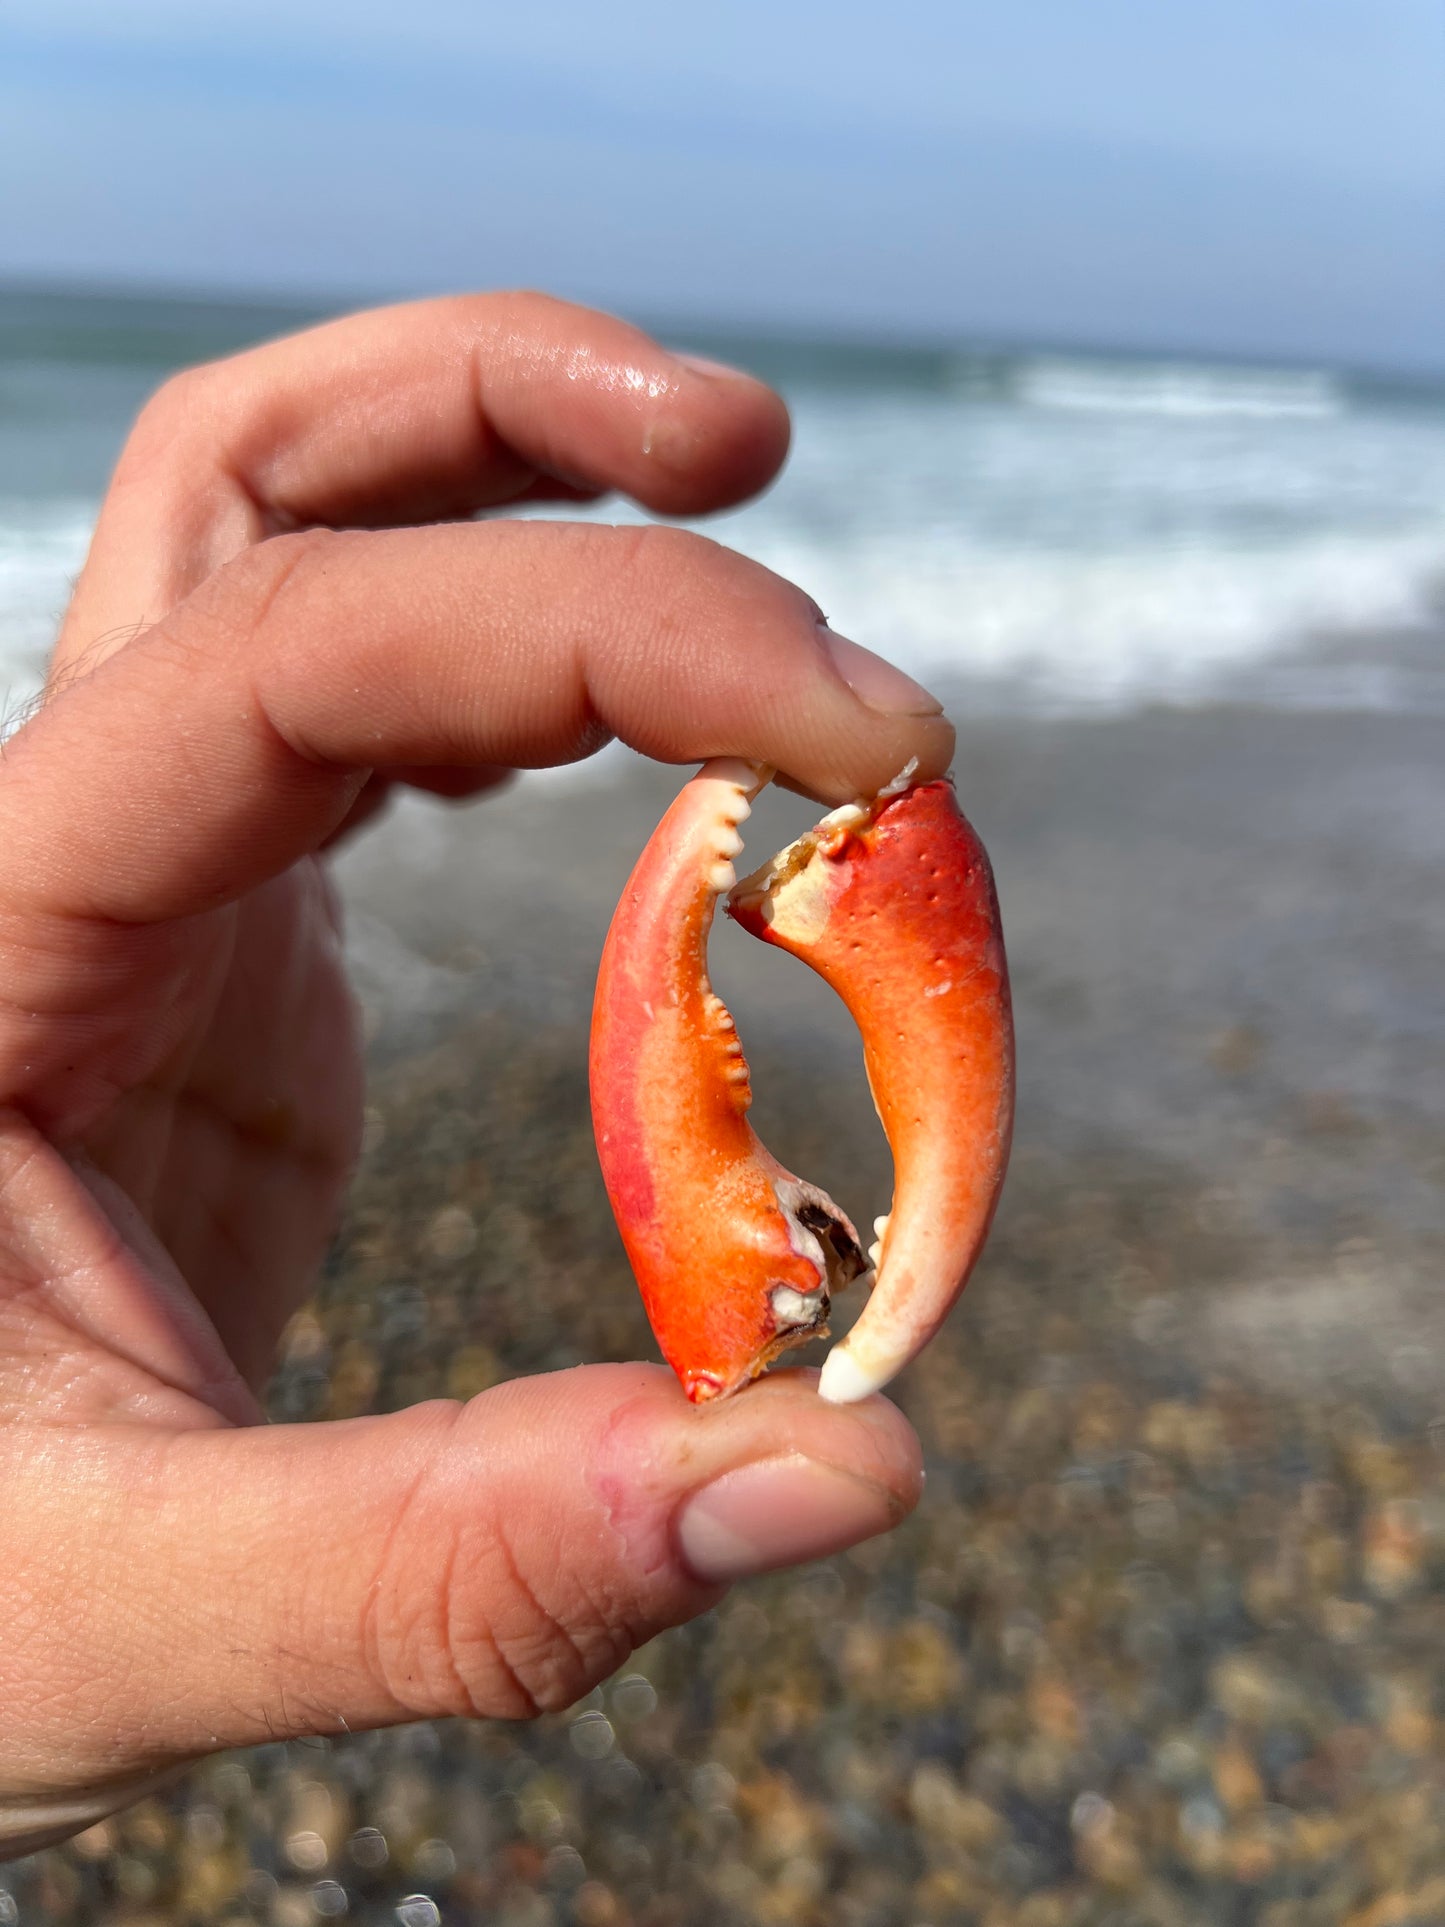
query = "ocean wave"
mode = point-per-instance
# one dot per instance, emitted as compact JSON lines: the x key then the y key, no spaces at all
{"x":1177,"y":389}
{"x":42,"y":547}
{"x":1094,"y":631}
{"x":1071,"y":563}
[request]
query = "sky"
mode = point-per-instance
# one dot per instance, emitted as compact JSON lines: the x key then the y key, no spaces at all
{"x":1263,"y":178}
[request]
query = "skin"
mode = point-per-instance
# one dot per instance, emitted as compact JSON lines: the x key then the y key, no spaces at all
{"x":280,"y":618}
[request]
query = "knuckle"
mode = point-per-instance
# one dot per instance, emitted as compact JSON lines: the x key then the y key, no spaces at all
{"x":651,"y":556}
{"x":526,"y":303}
{"x":544,"y":1666}
{"x":184,"y":401}
{"x":252,"y":587}
{"x":522,"y":309}
{"x":528,"y":1636}
{"x":506,"y":317}
{"x":483,"y":1641}
{"x":691,"y":579}
{"x":468,"y":1618}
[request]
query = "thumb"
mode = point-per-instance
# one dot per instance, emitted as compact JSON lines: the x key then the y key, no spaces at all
{"x":220,"y":1588}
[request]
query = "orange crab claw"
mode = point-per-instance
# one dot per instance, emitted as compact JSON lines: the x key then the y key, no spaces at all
{"x":893,"y":904}
{"x":736,"y":1258}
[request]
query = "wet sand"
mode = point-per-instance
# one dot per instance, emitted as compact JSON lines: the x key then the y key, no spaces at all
{"x":1163,"y":1643}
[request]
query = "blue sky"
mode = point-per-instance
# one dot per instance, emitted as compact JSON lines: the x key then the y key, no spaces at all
{"x":1253,"y":176}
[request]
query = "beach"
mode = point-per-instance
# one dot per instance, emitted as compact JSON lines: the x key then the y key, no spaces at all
{"x":1161,"y":1646}
{"x":1162,"y":1642}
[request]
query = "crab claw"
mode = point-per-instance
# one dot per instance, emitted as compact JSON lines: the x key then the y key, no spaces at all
{"x":892,"y":903}
{"x":736,"y":1258}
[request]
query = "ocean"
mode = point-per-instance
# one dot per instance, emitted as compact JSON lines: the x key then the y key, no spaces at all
{"x":1042,"y":532}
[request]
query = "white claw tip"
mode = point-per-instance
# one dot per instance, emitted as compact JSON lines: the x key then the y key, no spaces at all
{"x":747,"y":778}
{"x":844,"y":1381}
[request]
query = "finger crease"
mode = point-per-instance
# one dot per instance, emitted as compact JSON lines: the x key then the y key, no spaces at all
{"x":546,"y":1619}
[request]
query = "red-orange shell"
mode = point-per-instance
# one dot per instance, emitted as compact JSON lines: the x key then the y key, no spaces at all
{"x":710,"y":1220}
{"x":893,"y":904}
{"x":898,"y":913}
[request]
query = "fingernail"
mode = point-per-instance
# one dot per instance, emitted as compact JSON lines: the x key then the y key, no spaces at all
{"x":778,"y":1512}
{"x":704,"y":365}
{"x":877,"y":683}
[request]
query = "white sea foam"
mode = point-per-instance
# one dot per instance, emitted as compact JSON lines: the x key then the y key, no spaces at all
{"x":1176,"y":388}
{"x":1087,"y":558}
{"x":1110,"y":629}
{"x":42,"y":545}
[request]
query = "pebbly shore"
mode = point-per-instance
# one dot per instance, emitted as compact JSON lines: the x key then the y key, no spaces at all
{"x":1162,"y":1646}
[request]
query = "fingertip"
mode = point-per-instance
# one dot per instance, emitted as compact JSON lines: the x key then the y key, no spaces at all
{"x":721,"y":437}
{"x":813,"y":1481}
{"x":878,"y":684}
{"x":711,"y":370}
{"x":738,"y":389}
{"x":860,"y":763}
{"x":938,"y":741}
{"x":775,"y":1513}
{"x":871,"y":1438}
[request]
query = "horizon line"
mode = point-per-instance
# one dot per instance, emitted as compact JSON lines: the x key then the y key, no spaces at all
{"x":781,"y":334}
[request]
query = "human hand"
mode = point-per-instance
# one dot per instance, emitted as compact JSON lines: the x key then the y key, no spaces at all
{"x":263,"y":638}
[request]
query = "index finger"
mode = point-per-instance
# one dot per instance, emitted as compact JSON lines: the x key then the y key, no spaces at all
{"x":417,"y":413}
{"x":232,"y":739}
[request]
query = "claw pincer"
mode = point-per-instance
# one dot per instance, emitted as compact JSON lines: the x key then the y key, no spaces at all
{"x":735,"y":1257}
{"x":892,"y":902}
